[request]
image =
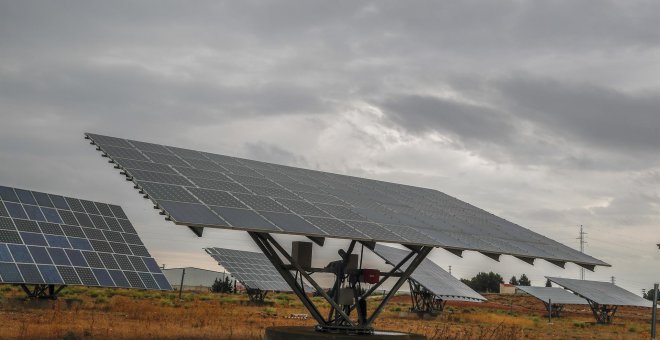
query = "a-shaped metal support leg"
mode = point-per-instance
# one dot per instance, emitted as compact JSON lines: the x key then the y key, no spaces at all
{"x":339,"y":319}
{"x":424,"y":301}
{"x":556,"y":309}
{"x":604,"y":314}
{"x":42,"y":291}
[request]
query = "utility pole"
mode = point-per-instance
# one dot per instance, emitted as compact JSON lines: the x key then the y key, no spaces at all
{"x":613,"y":280}
{"x":582,"y":242}
{"x":654,"y":313}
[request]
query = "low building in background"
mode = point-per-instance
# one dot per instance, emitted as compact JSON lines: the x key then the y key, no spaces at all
{"x":507,"y":288}
{"x":194,"y":278}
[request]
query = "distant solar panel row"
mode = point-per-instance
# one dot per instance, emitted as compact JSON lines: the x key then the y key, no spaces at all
{"x":210,"y":190}
{"x":556,"y":295}
{"x":252,"y":269}
{"x":431,"y":276}
{"x":603,"y":293}
{"x":51,"y":239}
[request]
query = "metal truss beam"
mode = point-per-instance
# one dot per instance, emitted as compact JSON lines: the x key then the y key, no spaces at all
{"x":556,"y":309}
{"x":424,"y":301}
{"x":42,"y":291}
{"x":604,"y":314}
{"x":339,"y":316}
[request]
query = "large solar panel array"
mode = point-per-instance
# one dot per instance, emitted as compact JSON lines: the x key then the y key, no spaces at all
{"x":51,"y":239}
{"x":603,"y":293}
{"x":431,"y":276}
{"x":557,"y":295}
{"x":209,"y":190}
{"x":253,"y":270}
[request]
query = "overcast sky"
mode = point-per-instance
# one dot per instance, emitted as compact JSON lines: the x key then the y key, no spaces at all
{"x":545,"y":113}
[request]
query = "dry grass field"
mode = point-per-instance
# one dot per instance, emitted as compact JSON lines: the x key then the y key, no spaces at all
{"x":92,"y":313}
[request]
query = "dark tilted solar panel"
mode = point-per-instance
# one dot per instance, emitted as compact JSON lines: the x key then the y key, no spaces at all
{"x":554,"y":294}
{"x":603,"y":293}
{"x":50,"y":239}
{"x":201,"y":189}
{"x":430,"y":276}
{"x":253,"y":270}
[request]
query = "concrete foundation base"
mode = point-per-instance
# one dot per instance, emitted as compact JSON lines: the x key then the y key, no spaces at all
{"x":306,"y":332}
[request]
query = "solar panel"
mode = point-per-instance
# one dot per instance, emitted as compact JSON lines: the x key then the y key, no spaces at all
{"x":431,"y":276}
{"x":603,"y":293}
{"x":201,"y":189}
{"x":253,"y":270}
{"x":556,"y":295}
{"x":51,"y":239}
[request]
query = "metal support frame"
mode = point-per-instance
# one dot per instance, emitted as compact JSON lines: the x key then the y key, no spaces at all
{"x":42,"y":291}
{"x":424,"y":301}
{"x":256,"y":295}
{"x":604,"y":314}
{"x":339,"y":318}
{"x":554,"y":309}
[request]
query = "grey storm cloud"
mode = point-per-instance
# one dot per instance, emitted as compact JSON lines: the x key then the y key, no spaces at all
{"x":421,"y":114}
{"x":601,"y":116}
{"x":546,"y":113}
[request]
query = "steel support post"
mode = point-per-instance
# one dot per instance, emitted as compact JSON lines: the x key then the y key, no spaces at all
{"x":341,"y":322}
{"x":604,"y":314}
{"x":43,"y":291}
{"x":654,"y":313}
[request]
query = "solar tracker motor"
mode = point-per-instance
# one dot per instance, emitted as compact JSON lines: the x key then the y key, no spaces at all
{"x":371,"y":276}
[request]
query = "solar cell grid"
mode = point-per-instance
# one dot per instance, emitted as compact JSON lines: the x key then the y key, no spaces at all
{"x":53,"y":248}
{"x":301,"y":207}
{"x":219,"y":185}
{"x":252,"y":269}
{"x":554,"y":294}
{"x":167,"y":192}
{"x":430,"y":276}
{"x":131,"y":164}
{"x":247,"y":180}
{"x":603,"y":293}
{"x":159,"y":177}
{"x":150,"y":147}
{"x":215,"y":197}
{"x":166,"y":159}
{"x":261,"y":203}
{"x":272,"y":192}
{"x":194,"y":174}
{"x":415,"y":215}
{"x":124,"y":153}
{"x":205,"y":165}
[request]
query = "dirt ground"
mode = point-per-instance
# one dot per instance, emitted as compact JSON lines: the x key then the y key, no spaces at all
{"x":86,"y":313}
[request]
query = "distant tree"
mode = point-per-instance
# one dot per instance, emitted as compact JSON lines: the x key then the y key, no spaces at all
{"x":649,"y":295}
{"x":485,"y":282}
{"x":513,"y":281}
{"x":223,"y":286}
{"x":548,"y":283}
{"x":524,"y":281}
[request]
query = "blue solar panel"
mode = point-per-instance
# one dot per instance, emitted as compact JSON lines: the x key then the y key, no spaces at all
{"x":76,"y":258}
{"x":9,"y":272}
{"x":20,"y":253}
{"x":50,"y":274}
{"x":40,"y":255}
{"x":68,"y":245}
{"x":15,"y":210}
